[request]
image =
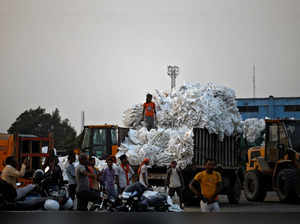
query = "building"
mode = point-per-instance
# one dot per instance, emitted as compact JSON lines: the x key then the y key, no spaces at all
{"x":272,"y":107}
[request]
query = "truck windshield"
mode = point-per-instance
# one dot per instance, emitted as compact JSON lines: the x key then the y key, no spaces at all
{"x":293,"y":130}
{"x":114,"y":139}
{"x":99,"y":142}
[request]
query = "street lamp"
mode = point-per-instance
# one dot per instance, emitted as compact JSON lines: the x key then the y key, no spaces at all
{"x":173,"y":72}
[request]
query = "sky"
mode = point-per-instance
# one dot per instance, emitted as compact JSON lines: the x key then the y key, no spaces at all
{"x":103,"y":56}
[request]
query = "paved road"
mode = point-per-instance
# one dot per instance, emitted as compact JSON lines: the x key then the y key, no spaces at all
{"x":271,"y":204}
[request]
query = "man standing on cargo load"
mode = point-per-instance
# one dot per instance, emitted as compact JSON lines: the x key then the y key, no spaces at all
{"x":211,"y":185}
{"x":149,"y":112}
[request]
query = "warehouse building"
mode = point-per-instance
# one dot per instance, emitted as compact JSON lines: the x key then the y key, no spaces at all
{"x":272,"y":107}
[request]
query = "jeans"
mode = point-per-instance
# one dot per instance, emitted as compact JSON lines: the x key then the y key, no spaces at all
{"x":149,"y":122}
{"x":72,"y":191}
{"x":178,"y":190}
{"x":22,"y":191}
{"x":212,"y":207}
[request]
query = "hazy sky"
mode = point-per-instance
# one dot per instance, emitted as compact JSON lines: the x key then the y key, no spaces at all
{"x":104,"y":56}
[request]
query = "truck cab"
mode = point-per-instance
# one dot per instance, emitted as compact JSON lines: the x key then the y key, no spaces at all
{"x":21,"y":146}
{"x":102,"y":140}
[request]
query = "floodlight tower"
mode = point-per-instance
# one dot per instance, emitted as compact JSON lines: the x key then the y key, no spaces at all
{"x":173,"y":72}
{"x":82,"y":120}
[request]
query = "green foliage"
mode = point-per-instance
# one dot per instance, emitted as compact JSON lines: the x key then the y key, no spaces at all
{"x":40,"y":123}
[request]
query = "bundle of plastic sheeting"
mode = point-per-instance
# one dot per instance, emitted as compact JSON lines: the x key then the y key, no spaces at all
{"x":193,"y":105}
{"x":133,"y":116}
{"x":253,"y":128}
{"x":161,"y":146}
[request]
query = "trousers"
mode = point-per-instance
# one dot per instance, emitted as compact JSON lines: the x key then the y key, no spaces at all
{"x":22,"y":191}
{"x":213,"y":207}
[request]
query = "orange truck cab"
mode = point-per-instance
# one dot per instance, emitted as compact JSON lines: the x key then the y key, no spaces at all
{"x":22,"y":146}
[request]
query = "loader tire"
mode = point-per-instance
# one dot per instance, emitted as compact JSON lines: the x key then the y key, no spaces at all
{"x":286,"y":185}
{"x":298,"y":183}
{"x":235,"y":194}
{"x":253,"y":186}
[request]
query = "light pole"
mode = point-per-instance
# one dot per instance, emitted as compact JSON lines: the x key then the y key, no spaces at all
{"x":173,"y":72}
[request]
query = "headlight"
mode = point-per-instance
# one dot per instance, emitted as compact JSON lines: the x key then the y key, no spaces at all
{"x":124,"y":201}
{"x":135,"y":198}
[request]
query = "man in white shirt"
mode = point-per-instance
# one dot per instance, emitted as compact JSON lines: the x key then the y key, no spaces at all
{"x":125,"y":173}
{"x":143,"y":172}
{"x":175,"y":182}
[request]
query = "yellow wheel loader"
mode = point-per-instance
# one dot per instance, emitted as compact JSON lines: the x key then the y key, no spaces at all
{"x":276,"y":165}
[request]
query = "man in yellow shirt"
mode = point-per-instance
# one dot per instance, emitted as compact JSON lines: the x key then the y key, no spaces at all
{"x":211,"y":184}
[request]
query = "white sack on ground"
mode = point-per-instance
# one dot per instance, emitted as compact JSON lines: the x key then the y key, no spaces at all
{"x":193,"y":105}
{"x":252,"y":129}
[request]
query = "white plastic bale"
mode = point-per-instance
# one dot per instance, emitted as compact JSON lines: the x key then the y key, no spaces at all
{"x":162,"y":147}
{"x":252,"y":129}
{"x":193,"y":105}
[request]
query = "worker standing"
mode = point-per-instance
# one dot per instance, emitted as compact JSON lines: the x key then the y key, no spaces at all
{"x":149,"y":112}
{"x":211,"y":185}
{"x":110,"y":178}
{"x":71,"y":175}
{"x":125,"y":173}
{"x":143,"y":172}
{"x":94,"y":181}
{"x":175,"y":182}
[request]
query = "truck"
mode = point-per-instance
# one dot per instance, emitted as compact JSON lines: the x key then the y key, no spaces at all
{"x":22,"y":146}
{"x":275,"y":166}
{"x":103,"y":140}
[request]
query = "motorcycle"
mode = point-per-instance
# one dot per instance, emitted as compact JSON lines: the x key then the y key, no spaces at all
{"x":137,"y":198}
{"x":57,"y":197}
{"x":104,"y":203}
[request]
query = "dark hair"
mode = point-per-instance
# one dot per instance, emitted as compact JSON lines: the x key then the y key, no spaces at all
{"x":82,"y":156}
{"x":11,"y":160}
{"x":109,"y":159}
{"x":209,"y":159}
{"x":71,"y":156}
{"x":122,"y":157}
{"x":53,"y":159}
{"x":148,"y":95}
{"x":92,"y":158}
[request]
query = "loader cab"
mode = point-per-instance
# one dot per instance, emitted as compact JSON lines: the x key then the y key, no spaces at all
{"x":276,"y":165}
{"x":102,"y":140}
{"x":282,"y":141}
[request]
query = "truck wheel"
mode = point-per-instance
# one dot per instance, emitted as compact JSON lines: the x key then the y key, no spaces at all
{"x":253,"y":186}
{"x":235,"y":194}
{"x":286,"y":184}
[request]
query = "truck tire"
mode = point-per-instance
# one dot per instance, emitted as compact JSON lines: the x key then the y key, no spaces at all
{"x":286,"y":185}
{"x":235,"y":195}
{"x":253,"y":186}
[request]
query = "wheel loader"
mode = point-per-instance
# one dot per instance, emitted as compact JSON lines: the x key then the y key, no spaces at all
{"x":276,"y":165}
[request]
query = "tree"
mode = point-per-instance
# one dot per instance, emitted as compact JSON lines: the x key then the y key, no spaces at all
{"x":40,"y":123}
